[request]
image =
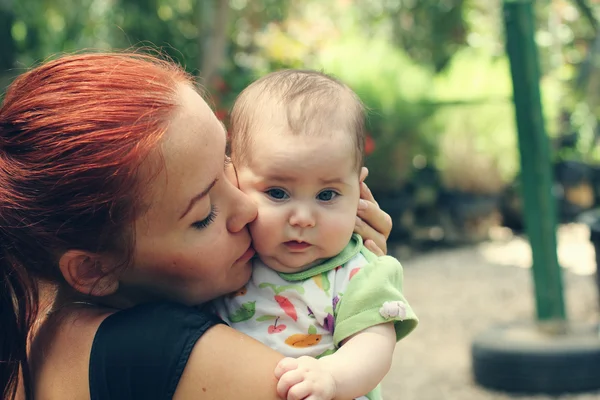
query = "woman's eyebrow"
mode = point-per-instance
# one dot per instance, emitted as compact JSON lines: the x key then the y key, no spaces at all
{"x":198,"y":197}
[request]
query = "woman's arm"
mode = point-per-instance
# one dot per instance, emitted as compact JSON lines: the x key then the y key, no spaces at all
{"x":226,"y":364}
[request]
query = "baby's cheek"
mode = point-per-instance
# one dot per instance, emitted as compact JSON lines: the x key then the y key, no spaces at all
{"x":339,"y":228}
{"x":263,"y":230}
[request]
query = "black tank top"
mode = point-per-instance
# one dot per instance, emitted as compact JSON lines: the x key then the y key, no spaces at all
{"x":140,"y":353}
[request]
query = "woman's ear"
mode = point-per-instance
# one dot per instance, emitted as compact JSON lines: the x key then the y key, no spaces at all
{"x":88,"y":273}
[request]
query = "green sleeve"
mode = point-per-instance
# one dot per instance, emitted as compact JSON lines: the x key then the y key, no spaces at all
{"x":359,"y":308}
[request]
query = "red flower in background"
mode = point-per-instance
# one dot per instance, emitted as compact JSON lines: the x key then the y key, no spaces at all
{"x":219,"y":84}
{"x":221,"y":114}
{"x":369,"y":144}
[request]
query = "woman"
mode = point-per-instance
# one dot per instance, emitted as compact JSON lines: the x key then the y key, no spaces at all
{"x":115,"y":188}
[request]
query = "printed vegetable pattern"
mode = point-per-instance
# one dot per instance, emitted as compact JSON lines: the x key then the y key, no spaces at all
{"x":335,"y":301}
{"x":322,"y":281}
{"x":272,"y":328}
{"x":302,"y":340}
{"x":328,"y":322}
{"x":323,"y":319}
{"x":244,"y":313}
{"x":353,"y":272}
{"x":285,"y":304}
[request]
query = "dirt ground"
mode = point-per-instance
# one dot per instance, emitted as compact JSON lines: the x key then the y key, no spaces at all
{"x":461,"y":292}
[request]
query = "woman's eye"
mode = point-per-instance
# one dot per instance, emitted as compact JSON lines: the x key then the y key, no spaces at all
{"x":206,"y":221}
{"x":327,"y":195}
{"x":277,"y":194}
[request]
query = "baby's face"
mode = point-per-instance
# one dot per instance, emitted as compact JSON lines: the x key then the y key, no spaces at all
{"x":307,"y":191}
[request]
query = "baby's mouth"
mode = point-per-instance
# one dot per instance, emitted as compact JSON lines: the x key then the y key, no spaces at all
{"x":296,"y":245}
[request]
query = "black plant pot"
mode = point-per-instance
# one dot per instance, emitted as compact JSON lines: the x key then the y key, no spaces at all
{"x":574,"y":189}
{"x":511,"y":208}
{"x":595,"y":177}
{"x":466,"y":217}
{"x":592,"y":219}
{"x":595,"y":239}
{"x":399,"y":205}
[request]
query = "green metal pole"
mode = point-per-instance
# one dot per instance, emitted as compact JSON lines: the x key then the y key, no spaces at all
{"x":536,"y":169}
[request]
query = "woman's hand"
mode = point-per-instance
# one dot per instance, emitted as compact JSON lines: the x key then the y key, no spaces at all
{"x":372,"y":223}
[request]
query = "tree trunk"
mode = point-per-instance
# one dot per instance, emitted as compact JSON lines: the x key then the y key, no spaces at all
{"x":213,"y":18}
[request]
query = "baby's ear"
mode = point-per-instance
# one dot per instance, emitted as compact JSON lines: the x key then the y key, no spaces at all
{"x":364,"y":172}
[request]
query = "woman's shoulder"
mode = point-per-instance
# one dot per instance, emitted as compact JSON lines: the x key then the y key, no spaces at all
{"x":60,"y":352}
{"x":152,"y":352}
{"x":142,"y":351}
{"x":162,"y":318}
{"x":98,"y":351}
{"x":180,"y":352}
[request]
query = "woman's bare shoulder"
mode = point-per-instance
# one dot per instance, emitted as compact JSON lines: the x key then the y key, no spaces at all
{"x":226,"y":364}
{"x":60,"y":354}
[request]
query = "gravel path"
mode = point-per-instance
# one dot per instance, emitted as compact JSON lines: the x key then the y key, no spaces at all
{"x":458,"y":293}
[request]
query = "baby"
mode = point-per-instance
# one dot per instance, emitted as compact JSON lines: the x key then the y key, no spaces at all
{"x":316,"y":293}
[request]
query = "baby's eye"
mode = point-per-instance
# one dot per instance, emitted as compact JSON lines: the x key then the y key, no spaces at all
{"x":277,"y":194}
{"x":327,"y":195}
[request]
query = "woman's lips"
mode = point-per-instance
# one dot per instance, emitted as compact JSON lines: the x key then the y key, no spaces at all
{"x":248,"y":254}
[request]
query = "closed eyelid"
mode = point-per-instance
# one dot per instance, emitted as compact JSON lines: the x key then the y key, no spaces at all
{"x":208,"y":220}
{"x":198,"y":197}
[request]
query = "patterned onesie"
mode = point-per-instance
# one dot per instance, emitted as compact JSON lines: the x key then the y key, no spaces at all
{"x":310,"y":313}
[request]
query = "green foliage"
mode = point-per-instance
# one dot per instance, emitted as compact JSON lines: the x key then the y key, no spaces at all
{"x":394,"y":89}
{"x":41,"y":29}
{"x":584,"y":124}
{"x":431,"y":72}
{"x":478,"y":147}
{"x":429,"y":31}
{"x":169,"y":25}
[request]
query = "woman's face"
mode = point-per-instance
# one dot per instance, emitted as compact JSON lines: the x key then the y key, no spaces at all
{"x":192,"y":244}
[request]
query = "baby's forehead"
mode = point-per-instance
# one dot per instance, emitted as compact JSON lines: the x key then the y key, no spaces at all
{"x":323,"y":143}
{"x":290,"y":156}
{"x":270,"y":133}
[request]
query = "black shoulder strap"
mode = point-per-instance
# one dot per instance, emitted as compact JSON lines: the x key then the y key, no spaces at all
{"x":140,"y":353}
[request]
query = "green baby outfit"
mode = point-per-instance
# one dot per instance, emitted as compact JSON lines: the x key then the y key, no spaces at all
{"x":310,"y":313}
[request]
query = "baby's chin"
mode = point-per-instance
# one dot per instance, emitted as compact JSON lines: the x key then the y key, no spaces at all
{"x":289,"y":268}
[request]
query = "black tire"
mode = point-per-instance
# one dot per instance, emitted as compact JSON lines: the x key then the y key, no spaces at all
{"x":519,"y":358}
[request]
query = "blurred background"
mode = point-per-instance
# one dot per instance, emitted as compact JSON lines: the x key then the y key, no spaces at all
{"x":442,"y":146}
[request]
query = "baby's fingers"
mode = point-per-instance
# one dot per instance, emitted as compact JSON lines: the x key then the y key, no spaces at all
{"x":285,"y":365}
{"x":302,"y":391}
{"x":288,"y":382}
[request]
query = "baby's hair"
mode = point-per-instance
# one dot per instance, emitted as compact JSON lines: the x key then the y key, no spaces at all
{"x":312,"y":103}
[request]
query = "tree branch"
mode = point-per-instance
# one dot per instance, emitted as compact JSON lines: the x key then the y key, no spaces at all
{"x":588,"y":13}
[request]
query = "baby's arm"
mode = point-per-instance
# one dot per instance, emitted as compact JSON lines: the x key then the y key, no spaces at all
{"x":355,"y":369}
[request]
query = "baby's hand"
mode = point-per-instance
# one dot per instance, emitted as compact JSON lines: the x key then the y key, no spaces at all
{"x":304,"y":378}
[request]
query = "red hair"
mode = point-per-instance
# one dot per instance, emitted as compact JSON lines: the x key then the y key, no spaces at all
{"x":72,"y":133}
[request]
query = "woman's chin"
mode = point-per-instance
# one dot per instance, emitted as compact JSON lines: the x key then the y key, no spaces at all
{"x":245,"y":273}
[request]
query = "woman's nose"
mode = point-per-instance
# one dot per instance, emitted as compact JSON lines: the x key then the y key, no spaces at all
{"x":243,"y":211}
